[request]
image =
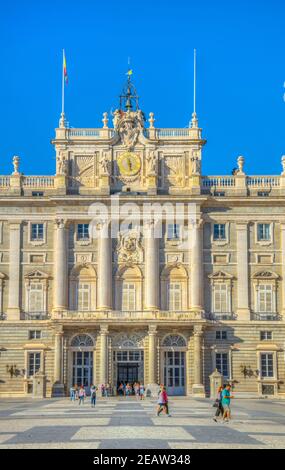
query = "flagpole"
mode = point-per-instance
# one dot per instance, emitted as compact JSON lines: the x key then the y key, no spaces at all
{"x":62,"y":91}
{"x":194,"y":110}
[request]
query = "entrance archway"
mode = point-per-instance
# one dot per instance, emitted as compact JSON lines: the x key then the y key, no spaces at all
{"x":82,"y":350}
{"x":174,"y":364}
{"x":128,"y":359}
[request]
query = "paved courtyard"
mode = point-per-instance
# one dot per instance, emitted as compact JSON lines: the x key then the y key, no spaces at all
{"x":126,"y":423}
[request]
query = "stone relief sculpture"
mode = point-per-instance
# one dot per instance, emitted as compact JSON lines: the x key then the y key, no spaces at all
{"x":129,"y":249}
{"x":129,"y":125}
{"x":62,"y":164}
{"x":175,"y":168}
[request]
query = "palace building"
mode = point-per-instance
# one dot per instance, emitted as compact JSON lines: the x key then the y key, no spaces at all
{"x":85,"y":298}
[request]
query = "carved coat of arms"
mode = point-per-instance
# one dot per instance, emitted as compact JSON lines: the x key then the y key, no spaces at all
{"x":129,"y":249}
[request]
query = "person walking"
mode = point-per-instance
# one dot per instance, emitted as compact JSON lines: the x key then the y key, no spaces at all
{"x":163,"y":402}
{"x":76,"y":392}
{"x":72,"y":393}
{"x":93,"y":391}
{"x":81,"y":395}
{"x":218,"y":404}
{"x":142,"y":391}
{"x":226,"y":403}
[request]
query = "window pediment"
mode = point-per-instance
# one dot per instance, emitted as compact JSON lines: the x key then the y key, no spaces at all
{"x":268,"y":275}
{"x":220,"y":275}
{"x":36,"y":274}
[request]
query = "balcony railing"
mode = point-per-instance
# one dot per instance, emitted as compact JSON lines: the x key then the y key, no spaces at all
{"x":222,"y":316}
{"x":218,"y":181}
{"x":36,"y":316}
{"x":127,"y":315}
{"x":261,"y":316}
{"x":38,"y":182}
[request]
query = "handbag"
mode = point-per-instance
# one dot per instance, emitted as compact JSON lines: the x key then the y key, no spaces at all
{"x":216,"y":404}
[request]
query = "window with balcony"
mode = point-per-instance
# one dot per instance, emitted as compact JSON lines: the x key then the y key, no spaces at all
{"x":265,"y":298}
{"x":36,"y":298}
{"x":174,"y":296}
{"x":267,"y":369}
{"x":265,"y":286}
{"x":221,"y":283}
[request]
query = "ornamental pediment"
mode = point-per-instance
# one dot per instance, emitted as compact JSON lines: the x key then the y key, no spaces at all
{"x":36,"y":274}
{"x":219,"y":275}
{"x":265,"y":275}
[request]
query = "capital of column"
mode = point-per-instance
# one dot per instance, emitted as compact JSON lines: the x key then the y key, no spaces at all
{"x":152,"y":330}
{"x":198,"y":330}
{"x":60,"y":223}
{"x":104,"y":330}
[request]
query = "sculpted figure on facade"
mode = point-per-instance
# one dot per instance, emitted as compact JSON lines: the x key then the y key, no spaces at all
{"x":62,"y":164}
{"x":104,"y":164}
{"x":151,"y":163}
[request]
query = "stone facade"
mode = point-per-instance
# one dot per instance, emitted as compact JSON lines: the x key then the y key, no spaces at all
{"x":129,"y":305}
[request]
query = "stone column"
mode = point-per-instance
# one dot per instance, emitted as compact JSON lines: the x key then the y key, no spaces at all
{"x":13,"y":310}
{"x":58,"y":389}
{"x":104,"y":354}
{"x":60,"y":266}
{"x":104,"y":269}
{"x":197,"y":267}
{"x":151,"y":297}
{"x":283,"y":263}
{"x":198,"y":388}
{"x":152,"y":332}
{"x":243,"y":311}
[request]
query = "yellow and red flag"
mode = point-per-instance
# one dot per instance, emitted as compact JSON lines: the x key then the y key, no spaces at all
{"x":65,"y":69}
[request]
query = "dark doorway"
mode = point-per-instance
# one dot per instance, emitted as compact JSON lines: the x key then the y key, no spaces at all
{"x":128,"y":373}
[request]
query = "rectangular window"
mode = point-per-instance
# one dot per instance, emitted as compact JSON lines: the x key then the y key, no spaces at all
{"x":34,"y":363}
{"x":174,"y":296}
{"x":37,"y":232}
{"x":265,"y":298}
{"x":35,"y":334}
{"x":173,"y":232}
{"x":219,"y":232}
{"x":83,"y":232}
{"x":221,"y":334}
{"x":222,"y":364}
{"x":129,"y":296}
{"x":263,"y":232}
{"x":36,"y":298}
{"x":265,"y":335}
{"x":83,"y":293}
{"x":266,"y":365}
{"x":221,"y":298}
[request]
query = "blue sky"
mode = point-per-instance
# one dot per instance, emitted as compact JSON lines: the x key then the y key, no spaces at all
{"x":240,"y":60}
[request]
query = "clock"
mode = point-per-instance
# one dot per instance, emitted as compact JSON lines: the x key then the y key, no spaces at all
{"x":129,"y":163}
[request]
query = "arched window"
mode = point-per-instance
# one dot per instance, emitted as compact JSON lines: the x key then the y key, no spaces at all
{"x":172,"y":341}
{"x":84,"y":341}
{"x":174,"y":288}
{"x":129,"y":288}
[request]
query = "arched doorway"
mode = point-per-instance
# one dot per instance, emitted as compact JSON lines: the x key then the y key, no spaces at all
{"x":128,"y":358}
{"x":174,"y":364}
{"x":82,"y":350}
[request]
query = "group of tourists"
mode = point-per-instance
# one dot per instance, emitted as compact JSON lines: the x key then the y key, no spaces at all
{"x":222,"y":404}
{"x":127,"y":389}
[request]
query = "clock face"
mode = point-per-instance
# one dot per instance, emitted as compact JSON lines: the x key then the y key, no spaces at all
{"x":129,"y":163}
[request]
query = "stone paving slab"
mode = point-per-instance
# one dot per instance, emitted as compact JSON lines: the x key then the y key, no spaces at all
{"x":125,"y":432}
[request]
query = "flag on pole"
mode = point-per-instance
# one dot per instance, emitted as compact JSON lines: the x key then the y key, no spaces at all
{"x":65,"y":69}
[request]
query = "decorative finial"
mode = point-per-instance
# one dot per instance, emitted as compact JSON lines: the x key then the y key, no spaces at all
{"x":62,"y":121}
{"x":240,"y":162}
{"x":283,"y":164}
{"x":194,"y":120}
{"x":16,"y":163}
{"x":151,"y":120}
{"x":105,"y":120}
